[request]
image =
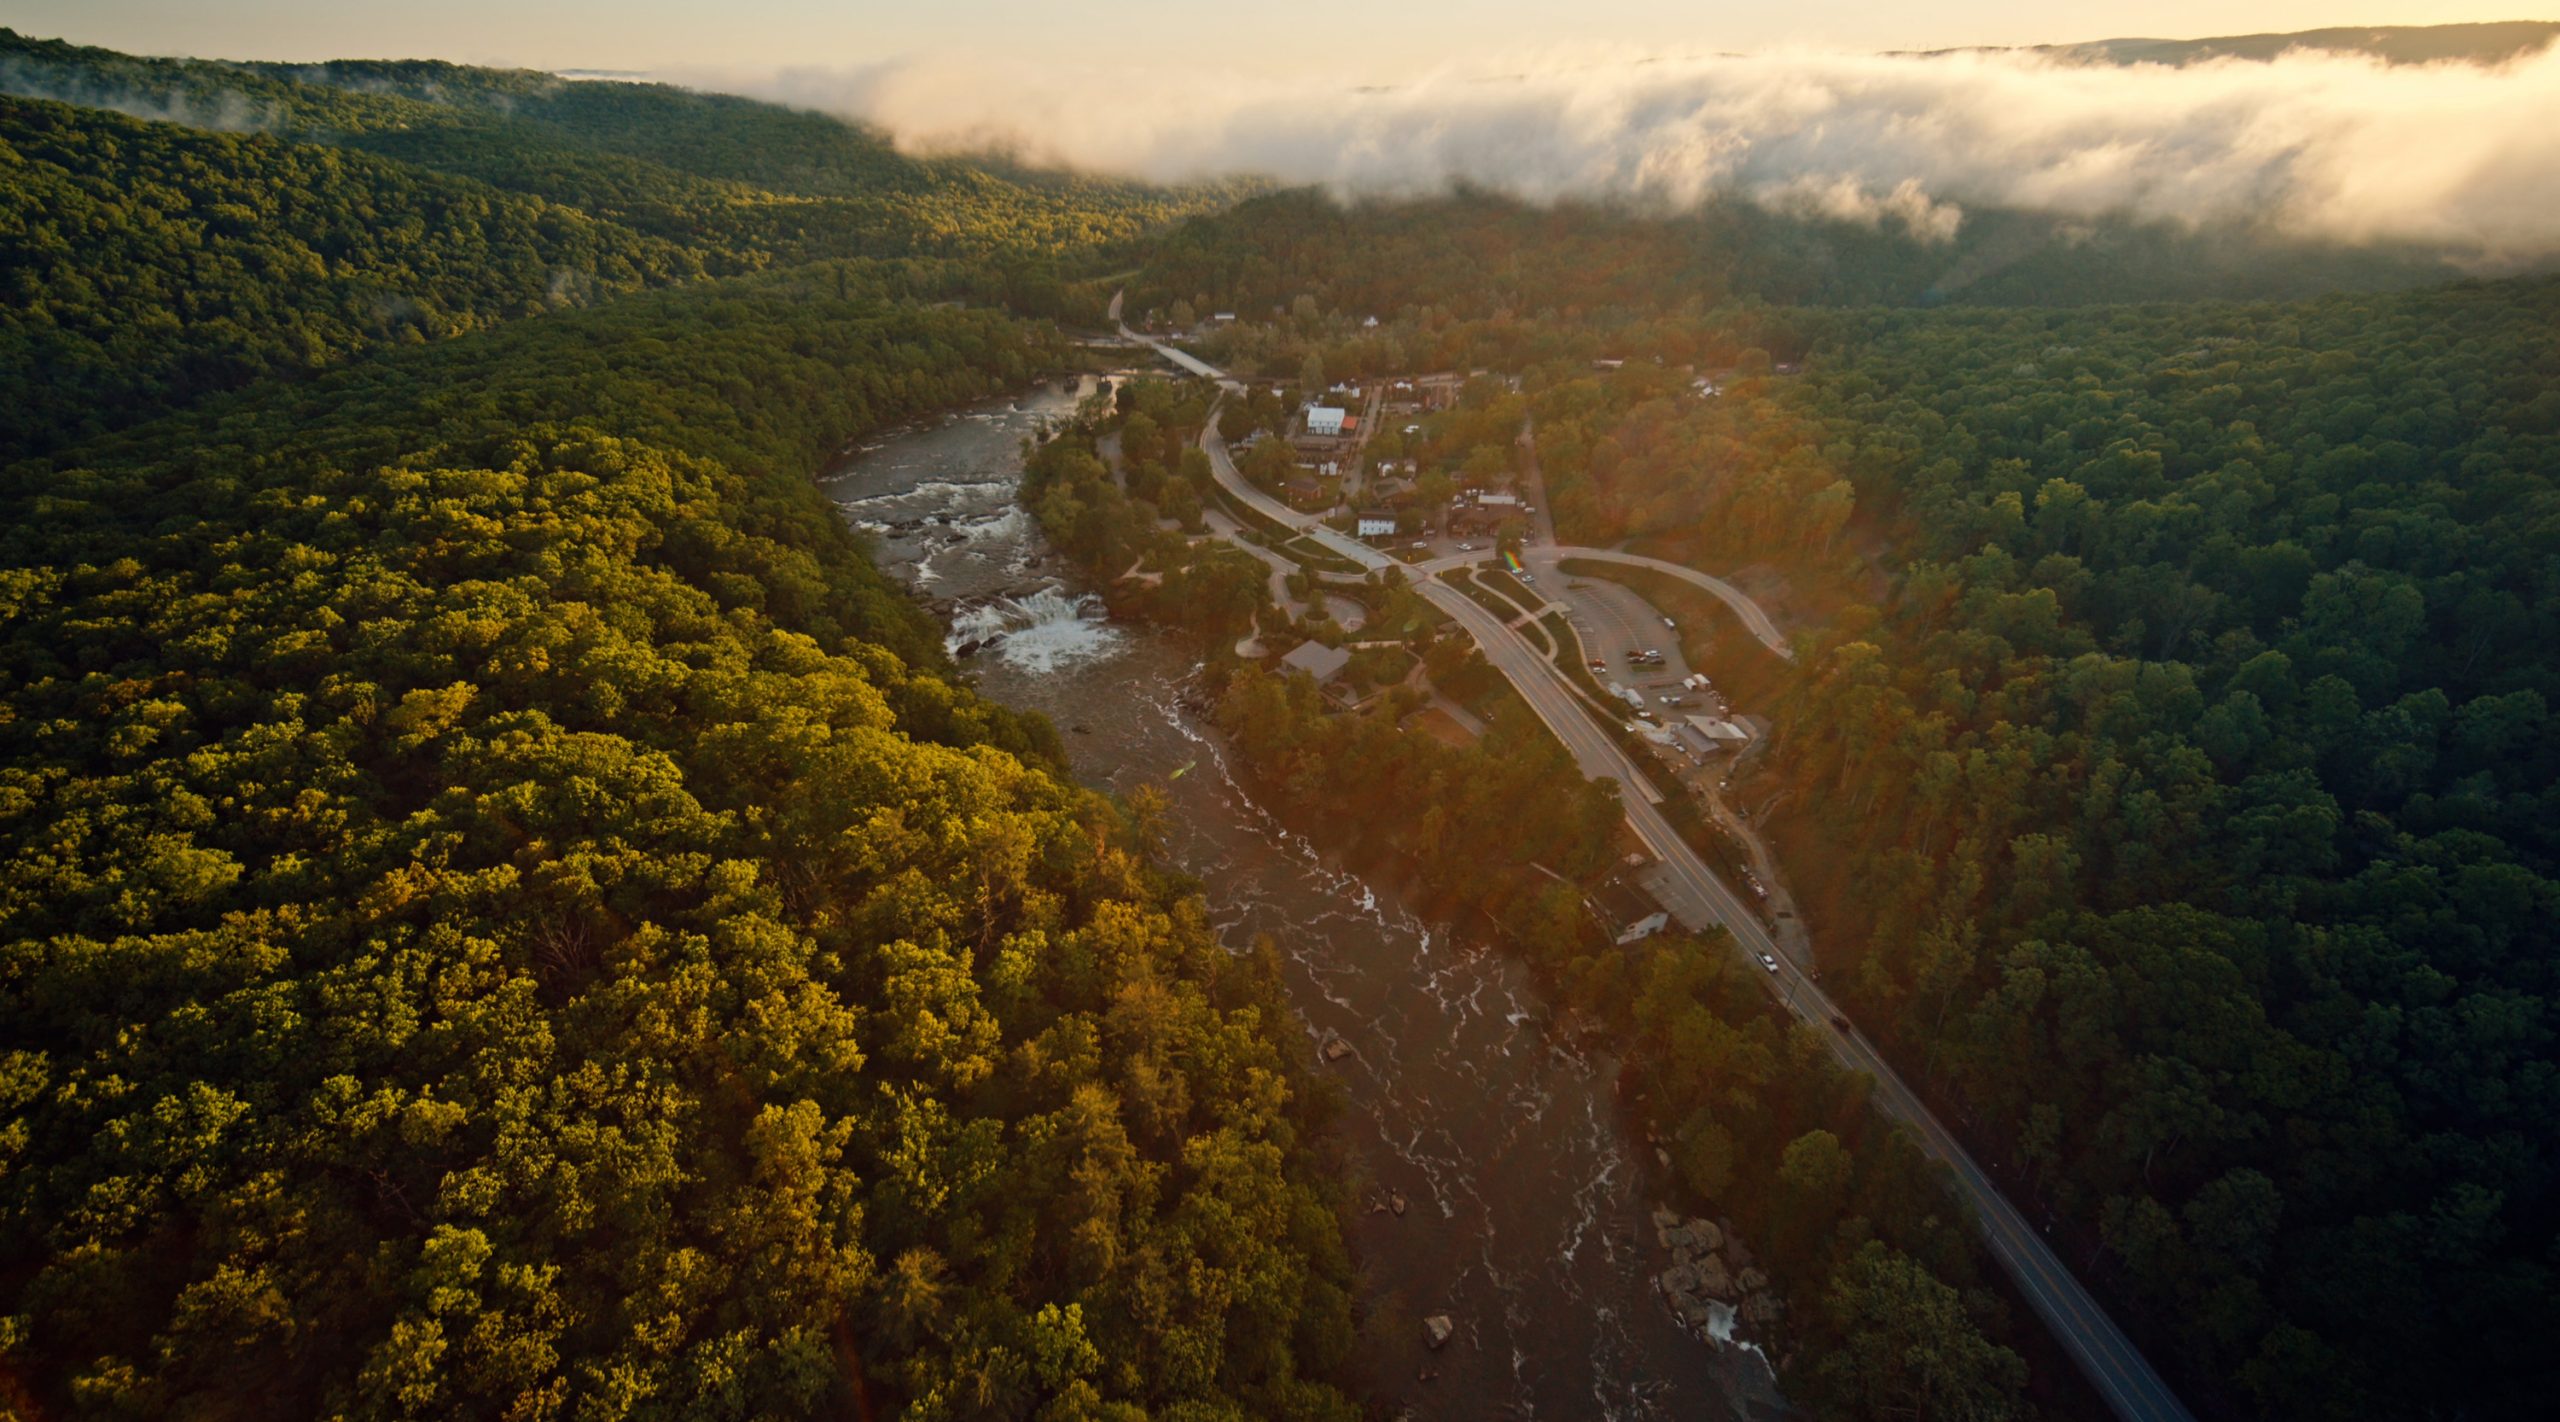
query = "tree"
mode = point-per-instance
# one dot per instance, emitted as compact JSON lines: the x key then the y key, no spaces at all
{"x":1908,"y":1349}
{"x":1813,"y":1176}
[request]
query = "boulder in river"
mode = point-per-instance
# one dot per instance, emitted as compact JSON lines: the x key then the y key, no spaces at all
{"x":1335,"y":1049}
{"x":1398,"y":1203}
{"x":1437,"y":1330}
{"x":1734,"y":1246}
{"x":1713,"y":1281}
{"x":1761,"y":1309}
{"x":1663,"y":1221}
{"x":1697,"y":1236}
{"x":1751,"y":1280}
{"x":1679,"y":1279}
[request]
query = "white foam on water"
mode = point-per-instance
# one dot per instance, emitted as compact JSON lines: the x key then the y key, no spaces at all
{"x":937,"y":493}
{"x":1721,"y":1318}
{"x":1011,"y":523}
{"x":1042,"y":633}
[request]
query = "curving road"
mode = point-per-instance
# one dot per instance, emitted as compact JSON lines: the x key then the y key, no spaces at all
{"x":2132,"y":1389}
{"x":1752,"y":617}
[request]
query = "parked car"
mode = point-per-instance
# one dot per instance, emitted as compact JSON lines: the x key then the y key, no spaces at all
{"x":1466,"y":548}
{"x":1599,"y":665}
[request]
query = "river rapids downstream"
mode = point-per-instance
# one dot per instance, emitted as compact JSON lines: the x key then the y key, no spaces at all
{"x":1527,"y":1201}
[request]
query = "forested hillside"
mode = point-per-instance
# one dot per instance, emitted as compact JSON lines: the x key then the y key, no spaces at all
{"x":1476,"y":255}
{"x":2187,"y":806}
{"x":2200,"y":783}
{"x":150,"y":264}
{"x":172,"y":228}
{"x":744,"y":183}
{"x":502,"y":912}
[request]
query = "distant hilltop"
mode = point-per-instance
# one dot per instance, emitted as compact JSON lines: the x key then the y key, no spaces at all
{"x":2492,"y":42}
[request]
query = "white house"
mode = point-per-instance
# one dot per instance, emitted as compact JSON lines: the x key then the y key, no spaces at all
{"x":1324,"y":421}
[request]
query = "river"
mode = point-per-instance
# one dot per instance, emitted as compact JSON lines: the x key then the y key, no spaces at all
{"x":1527,"y":1202}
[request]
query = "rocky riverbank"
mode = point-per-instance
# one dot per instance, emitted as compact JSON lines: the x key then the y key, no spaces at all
{"x":1713,"y":1284}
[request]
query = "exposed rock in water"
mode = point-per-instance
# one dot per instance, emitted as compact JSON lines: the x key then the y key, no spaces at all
{"x":1751,"y":1280}
{"x":1437,"y":1330}
{"x":1713,"y":1281}
{"x":1335,"y":1049}
{"x":1761,"y":1309}
{"x":1398,"y":1203}
{"x":1679,"y":1279}
{"x":1694,"y":1237}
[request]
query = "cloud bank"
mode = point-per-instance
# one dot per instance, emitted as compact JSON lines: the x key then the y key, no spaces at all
{"x":2324,"y":146}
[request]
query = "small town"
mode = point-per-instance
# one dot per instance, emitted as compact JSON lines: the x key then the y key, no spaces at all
{"x":1357,"y":493}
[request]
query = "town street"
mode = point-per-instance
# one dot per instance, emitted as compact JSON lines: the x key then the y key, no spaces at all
{"x":1693,"y":895}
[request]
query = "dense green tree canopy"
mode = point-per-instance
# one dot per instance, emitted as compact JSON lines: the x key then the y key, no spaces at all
{"x":503,"y":914}
{"x":2185,"y":807}
{"x":149,"y":264}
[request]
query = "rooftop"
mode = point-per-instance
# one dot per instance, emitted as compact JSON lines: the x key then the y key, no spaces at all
{"x":1716,"y":728}
{"x":1318,"y":661}
{"x":1621,"y":903}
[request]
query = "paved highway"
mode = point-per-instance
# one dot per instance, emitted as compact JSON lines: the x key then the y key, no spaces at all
{"x":1694,"y":895}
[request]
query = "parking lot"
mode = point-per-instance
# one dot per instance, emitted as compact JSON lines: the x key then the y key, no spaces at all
{"x":1615,"y":624}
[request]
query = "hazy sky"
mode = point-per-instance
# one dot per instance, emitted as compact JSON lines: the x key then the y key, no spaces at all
{"x":1343,"y":38}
